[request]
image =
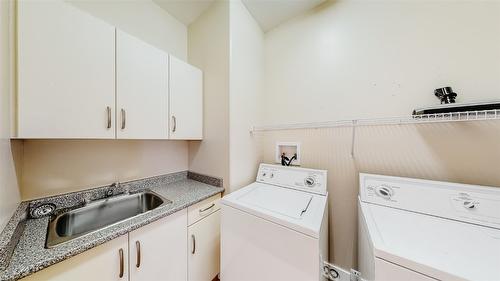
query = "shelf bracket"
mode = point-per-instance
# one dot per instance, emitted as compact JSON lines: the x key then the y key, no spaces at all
{"x":353,"y":140}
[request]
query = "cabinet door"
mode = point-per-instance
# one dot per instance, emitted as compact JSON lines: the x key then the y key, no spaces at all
{"x":100,"y":263}
{"x":141,"y":89}
{"x":186,"y":100}
{"x":158,"y":251}
{"x":204,"y":249}
{"x":66,"y":72}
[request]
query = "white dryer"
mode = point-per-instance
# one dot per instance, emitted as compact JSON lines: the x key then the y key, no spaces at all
{"x":276,"y":228}
{"x":415,"y":230}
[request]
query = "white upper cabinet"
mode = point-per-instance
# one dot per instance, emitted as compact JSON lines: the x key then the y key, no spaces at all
{"x":141,"y":89}
{"x":186,"y":100}
{"x":80,"y":78}
{"x":66,"y":72}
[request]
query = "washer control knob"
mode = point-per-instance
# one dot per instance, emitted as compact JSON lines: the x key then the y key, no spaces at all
{"x":470,"y":204}
{"x":384,"y":191}
{"x":310,"y":181}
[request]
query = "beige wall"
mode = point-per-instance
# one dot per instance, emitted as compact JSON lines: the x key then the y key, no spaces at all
{"x":246,"y":79}
{"x":56,"y":166}
{"x":355,"y":59}
{"x":465,"y":152}
{"x":9,"y":193}
{"x":52,"y":167}
{"x":142,"y":18}
{"x":208,"y":46}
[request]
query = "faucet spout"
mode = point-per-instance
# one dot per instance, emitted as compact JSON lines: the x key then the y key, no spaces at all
{"x":112,"y":188}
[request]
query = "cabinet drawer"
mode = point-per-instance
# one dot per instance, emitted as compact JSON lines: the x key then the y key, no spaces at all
{"x":203,"y":208}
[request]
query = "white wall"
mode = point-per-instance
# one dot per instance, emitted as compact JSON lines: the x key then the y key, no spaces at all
{"x":9,"y":192}
{"x":144,"y":19}
{"x":208,"y":46}
{"x":355,"y":59}
{"x":246,"y":82}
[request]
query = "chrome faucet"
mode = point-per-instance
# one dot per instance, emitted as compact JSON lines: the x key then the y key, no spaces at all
{"x":111,"y":190}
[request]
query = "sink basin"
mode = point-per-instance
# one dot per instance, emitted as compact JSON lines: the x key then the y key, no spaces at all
{"x":99,"y":214}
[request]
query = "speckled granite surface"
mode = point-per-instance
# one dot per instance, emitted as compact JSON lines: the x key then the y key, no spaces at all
{"x":11,"y":234}
{"x":75,"y":199}
{"x":30,"y":255}
{"x":205,"y":179}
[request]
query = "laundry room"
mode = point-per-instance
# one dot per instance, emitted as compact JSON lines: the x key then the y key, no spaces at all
{"x":250,"y":140}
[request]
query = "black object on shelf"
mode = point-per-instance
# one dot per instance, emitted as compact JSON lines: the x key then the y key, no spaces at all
{"x":445,"y":95}
{"x":459,"y":107}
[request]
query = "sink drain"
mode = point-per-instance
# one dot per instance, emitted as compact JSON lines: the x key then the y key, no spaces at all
{"x":43,"y":210}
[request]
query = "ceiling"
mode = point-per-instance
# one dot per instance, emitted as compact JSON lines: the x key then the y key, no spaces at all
{"x":268,"y":13}
{"x":271,"y":13}
{"x":186,"y":11}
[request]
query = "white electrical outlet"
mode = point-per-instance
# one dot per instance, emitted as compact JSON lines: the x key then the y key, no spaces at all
{"x":289,"y":149}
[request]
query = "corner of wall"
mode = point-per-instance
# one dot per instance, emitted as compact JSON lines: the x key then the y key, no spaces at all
{"x":208,"y":49}
{"x":9,"y":187}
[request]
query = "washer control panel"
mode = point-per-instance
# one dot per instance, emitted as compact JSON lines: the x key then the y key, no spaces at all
{"x":308,"y":180}
{"x":382,"y":192}
{"x":462,"y":202}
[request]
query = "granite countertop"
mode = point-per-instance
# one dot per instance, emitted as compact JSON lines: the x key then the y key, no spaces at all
{"x":30,"y":255}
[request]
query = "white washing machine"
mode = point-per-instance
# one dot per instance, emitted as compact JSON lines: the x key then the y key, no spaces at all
{"x":276,"y":228}
{"x":412,"y":229}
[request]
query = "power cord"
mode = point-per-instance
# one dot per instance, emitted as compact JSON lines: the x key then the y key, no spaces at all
{"x":330,"y":273}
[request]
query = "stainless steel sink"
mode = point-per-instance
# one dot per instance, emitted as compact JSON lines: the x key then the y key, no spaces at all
{"x":99,"y":214}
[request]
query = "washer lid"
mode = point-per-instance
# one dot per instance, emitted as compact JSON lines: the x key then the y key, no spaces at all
{"x":285,"y":202}
{"x":297,"y":210}
{"x":441,"y":248}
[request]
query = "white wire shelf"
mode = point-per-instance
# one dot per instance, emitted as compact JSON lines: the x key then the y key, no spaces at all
{"x":413,"y":119}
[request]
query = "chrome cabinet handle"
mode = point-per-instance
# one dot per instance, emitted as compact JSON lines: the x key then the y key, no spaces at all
{"x":207,"y":208}
{"x":194,"y":244}
{"x":120,"y":253}
{"x":108,"y":124}
{"x":174,"y":120}
{"x":123,"y":118}
{"x":138,"y":253}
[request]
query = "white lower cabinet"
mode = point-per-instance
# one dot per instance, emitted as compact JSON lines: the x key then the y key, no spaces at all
{"x":204,"y":239}
{"x":158,"y":251}
{"x":166,"y":250}
{"x":106,"y":262}
{"x":204,"y":249}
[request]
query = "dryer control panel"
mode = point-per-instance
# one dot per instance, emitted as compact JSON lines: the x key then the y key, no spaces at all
{"x":309,"y":180}
{"x":462,"y":202}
